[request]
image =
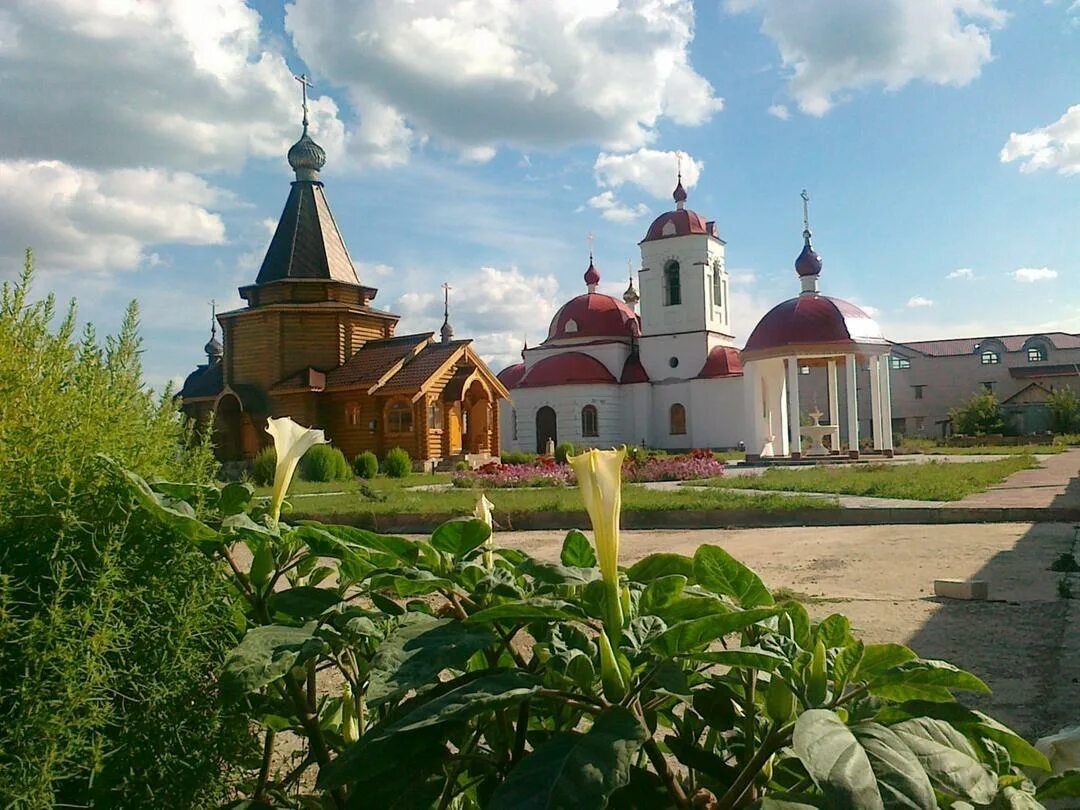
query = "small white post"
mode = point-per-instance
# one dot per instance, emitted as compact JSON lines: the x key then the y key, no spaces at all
{"x":794,"y":422}
{"x":886,"y":402}
{"x":834,"y":404}
{"x":852,"y":403}
{"x":875,"y":400}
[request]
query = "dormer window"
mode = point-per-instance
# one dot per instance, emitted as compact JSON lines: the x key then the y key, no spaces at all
{"x":571,"y":326}
{"x":1036,"y":354}
{"x":989,"y":357}
{"x":668,"y":229}
{"x":672,"y":286}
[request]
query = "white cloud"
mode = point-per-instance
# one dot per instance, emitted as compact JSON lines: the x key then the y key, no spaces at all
{"x":918,"y":301}
{"x":1029,"y":275}
{"x":779,"y":111}
{"x":492,"y":72}
{"x":614,"y":210}
{"x":371,"y":270}
{"x":84,"y":219}
{"x":965,"y":273}
{"x":483,"y":304}
{"x":477,"y":154}
{"x":650,"y":169}
{"x":831,"y":47}
{"x":1056,"y":146}
{"x":171,"y":83}
{"x":872,"y":311}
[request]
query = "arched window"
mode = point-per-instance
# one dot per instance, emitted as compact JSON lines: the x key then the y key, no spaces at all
{"x":672,"y":289}
{"x":717,"y":287}
{"x":399,"y":418}
{"x":589,"y":422}
{"x":1036,"y":352}
{"x":435,"y":415}
{"x":990,"y":358}
{"x":677,"y":416}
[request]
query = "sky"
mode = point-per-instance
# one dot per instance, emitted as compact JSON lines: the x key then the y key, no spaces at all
{"x":481,"y":142}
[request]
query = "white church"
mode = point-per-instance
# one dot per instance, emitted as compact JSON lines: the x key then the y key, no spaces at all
{"x":670,"y":377}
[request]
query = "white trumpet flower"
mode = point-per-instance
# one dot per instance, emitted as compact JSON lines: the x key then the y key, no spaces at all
{"x":483,"y":512}
{"x":291,"y":441}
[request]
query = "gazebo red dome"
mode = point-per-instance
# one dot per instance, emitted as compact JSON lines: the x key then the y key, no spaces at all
{"x":723,"y":361}
{"x":594,"y":315}
{"x":570,"y":368}
{"x":812,"y":320}
{"x":684,"y":221}
{"x":511,"y":375}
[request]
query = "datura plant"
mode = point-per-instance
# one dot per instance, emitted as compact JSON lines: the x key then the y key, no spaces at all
{"x":388,"y":672}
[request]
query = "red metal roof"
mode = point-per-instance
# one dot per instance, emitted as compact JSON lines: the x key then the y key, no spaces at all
{"x":633,"y":371}
{"x":594,"y":315}
{"x":684,"y":220}
{"x":723,"y":361}
{"x":813,"y":319}
{"x":569,"y":368}
{"x":511,"y":375}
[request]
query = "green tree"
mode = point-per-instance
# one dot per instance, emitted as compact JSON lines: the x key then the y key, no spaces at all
{"x":979,"y":416}
{"x":1064,"y":407}
{"x":112,"y":626}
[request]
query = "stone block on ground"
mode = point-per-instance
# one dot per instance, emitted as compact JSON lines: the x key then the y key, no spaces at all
{"x":971,"y":589}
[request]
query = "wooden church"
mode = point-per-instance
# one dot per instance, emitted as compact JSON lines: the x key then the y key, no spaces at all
{"x":310,"y":345}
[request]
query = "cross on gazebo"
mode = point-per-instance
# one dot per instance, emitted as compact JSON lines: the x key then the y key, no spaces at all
{"x":805,"y":210}
{"x":305,"y":83}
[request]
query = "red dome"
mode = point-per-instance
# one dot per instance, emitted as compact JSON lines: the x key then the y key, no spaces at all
{"x":684,"y":222}
{"x":633,"y":371}
{"x":594,"y":315}
{"x":511,"y":375}
{"x":723,"y":361}
{"x":592,"y":275}
{"x":570,"y":368}
{"x":812,"y":320}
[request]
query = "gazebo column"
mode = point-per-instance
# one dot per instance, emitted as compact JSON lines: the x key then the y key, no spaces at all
{"x":875,"y":402}
{"x":886,"y":404}
{"x":834,"y":403}
{"x":852,"y":406}
{"x":794,"y":422}
{"x":754,"y":407}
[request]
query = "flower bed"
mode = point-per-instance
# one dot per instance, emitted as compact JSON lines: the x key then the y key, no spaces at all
{"x":545,"y":472}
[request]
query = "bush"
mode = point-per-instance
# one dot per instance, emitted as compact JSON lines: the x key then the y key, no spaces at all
{"x":462,"y":466}
{"x":262,"y":468}
{"x":323,"y":464}
{"x":397,"y":463}
{"x":113,"y":626}
{"x":562,"y":451}
{"x":517,"y":457}
{"x":979,"y":416}
{"x":366,"y":465}
{"x":1064,"y":406}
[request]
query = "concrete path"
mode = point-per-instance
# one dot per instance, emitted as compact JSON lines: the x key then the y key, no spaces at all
{"x":1056,"y":482}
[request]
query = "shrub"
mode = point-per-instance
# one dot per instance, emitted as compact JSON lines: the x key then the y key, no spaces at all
{"x":517,"y":457}
{"x":397,"y":463}
{"x":461,"y":466}
{"x":1064,"y":406}
{"x":262,"y":467}
{"x":323,"y":464}
{"x":979,"y":416}
{"x":562,"y":451}
{"x":113,"y":626}
{"x":366,"y":465}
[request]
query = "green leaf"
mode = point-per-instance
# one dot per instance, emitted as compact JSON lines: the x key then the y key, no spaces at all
{"x":575,"y":770}
{"x":661,"y":592}
{"x":902,"y":782}
{"x":878,"y":658}
{"x":707,"y":762}
{"x":266,"y":653}
{"x":846,"y":663}
{"x":177,"y":515}
{"x":783,"y":803}
{"x":336,"y":539}
{"x":188,"y":493}
{"x":555,"y":574}
{"x":721,"y":573}
{"x":235,"y":497}
{"x":1012,"y":798}
{"x":1062,"y":786}
{"x":419,"y":649}
{"x":753,"y":657}
{"x":459,"y":536}
{"x":373,"y":765}
{"x":834,"y":630}
{"x":529,"y":610}
{"x":303,"y":601}
{"x":948,"y":758}
{"x":262,"y":563}
{"x":692,"y":607}
{"x":836,"y":761}
{"x":410,"y":582}
{"x":660,"y":565}
{"x":577,"y":551}
{"x":800,"y":620}
{"x":685,"y":636}
{"x":927,"y":672}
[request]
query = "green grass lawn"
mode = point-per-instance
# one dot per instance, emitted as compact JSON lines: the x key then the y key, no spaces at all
{"x":929,"y":447}
{"x":932,"y":481}
{"x":400,"y":499}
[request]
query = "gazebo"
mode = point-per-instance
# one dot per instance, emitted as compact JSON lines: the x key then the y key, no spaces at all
{"x":813,"y":330}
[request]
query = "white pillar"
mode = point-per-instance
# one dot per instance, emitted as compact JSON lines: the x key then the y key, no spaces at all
{"x":875,"y":400}
{"x":794,"y":422}
{"x":852,"y":403}
{"x":886,"y":402}
{"x":834,"y":404}
{"x":752,"y":426}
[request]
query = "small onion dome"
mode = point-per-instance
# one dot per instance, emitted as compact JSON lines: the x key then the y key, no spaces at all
{"x":594,"y":315}
{"x":811,"y":320}
{"x":680,"y":222}
{"x":633,"y":371}
{"x":679,"y":194}
{"x":809,"y":262}
{"x":213,"y":349}
{"x":446,"y":332}
{"x":569,"y":368}
{"x":592,"y":275}
{"x":631,"y":297}
{"x":511,"y":375}
{"x":306,"y":157}
{"x":723,"y":361}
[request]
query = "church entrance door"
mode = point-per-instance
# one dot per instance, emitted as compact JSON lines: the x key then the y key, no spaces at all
{"x":453,"y":426}
{"x":546,"y":428}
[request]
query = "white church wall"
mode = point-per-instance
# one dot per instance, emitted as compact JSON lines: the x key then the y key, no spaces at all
{"x":689,"y":351}
{"x":567,"y":401}
{"x":765,"y":398}
{"x":664,"y":396}
{"x":717,"y":412}
{"x":696,"y":254}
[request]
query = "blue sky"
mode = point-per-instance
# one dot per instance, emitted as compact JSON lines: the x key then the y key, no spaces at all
{"x":142,"y":153}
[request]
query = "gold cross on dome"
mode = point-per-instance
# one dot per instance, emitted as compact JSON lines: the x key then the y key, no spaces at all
{"x":589,"y":238}
{"x":805,"y":210}
{"x":679,"y":155}
{"x":305,"y":83}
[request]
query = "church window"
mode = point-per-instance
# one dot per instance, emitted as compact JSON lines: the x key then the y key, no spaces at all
{"x":1036,"y":354}
{"x":513,"y":426}
{"x":589,"y":421}
{"x":353,"y":412}
{"x":717,"y":287}
{"x":677,"y":417}
{"x":918,"y":390}
{"x":571,"y":326}
{"x":672,"y":288}
{"x":435,"y":415}
{"x":399,"y":418}
{"x":673,"y":362}
{"x":990,"y":358}
{"x":899,"y":363}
